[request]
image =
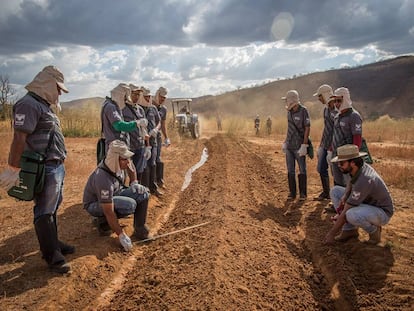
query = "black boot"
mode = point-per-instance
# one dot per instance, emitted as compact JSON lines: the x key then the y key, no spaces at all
{"x":292,"y":186}
{"x":49,"y":244}
{"x":140,"y":217}
{"x":146,"y":177}
{"x":302,"y":186}
{"x":102,"y":225}
{"x":160,"y":174}
{"x":324,"y":195}
{"x":139,"y":178}
{"x":64,"y":248}
{"x":153,"y":187}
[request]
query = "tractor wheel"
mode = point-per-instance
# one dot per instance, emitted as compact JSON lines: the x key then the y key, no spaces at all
{"x":195,"y":130}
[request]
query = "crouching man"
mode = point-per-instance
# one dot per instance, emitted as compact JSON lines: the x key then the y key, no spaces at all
{"x":106,"y":198}
{"x":365,"y":202}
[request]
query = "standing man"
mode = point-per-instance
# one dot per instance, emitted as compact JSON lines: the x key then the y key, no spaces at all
{"x":37,"y":128}
{"x":324,"y":94}
{"x":139,"y":137}
{"x":159,"y":100}
{"x":347,"y":129}
{"x":365,"y":202}
{"x":113,"y":124}
{"x":296,"y":143}
{"x":257,"y":124}
{"x":107,"y":198}
{"x":269,"y":125}
{"x":154,"y":125}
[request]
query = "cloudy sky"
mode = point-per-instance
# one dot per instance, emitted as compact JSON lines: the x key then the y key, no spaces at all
{"x":195,"y":47}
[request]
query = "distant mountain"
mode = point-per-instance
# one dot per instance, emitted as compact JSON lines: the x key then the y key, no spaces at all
{"x":381,"y":88}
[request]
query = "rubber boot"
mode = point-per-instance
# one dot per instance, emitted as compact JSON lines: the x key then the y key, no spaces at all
{"x":64,"y":248}
{"x":140,"y":217}
{"x":324,"y":195}
{"x":49,"y":244}
{"x":292,"y":186}
{"x":146,"y":177}
{"x":139,"y":178}
{"x":152,"y":181}
{"x":160,"y":174}
{"x":302,"y":186}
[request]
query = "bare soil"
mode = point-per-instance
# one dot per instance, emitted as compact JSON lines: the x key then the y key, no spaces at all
{"x":253,"y":249}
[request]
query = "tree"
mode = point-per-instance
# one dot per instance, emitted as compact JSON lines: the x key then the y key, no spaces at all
{"x":6,"y":97}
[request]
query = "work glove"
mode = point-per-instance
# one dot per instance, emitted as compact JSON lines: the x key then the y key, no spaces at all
{"x":153,"y":133}
{"x":125,"y":241}
{"x":142,"y":122}
{"x":136,"y":187}
{"x":284,"y":147}
{"x":320,"y":152}
{"x":9,"y":177}
{"x":329,"y":157}
{"x":303,"y":150}
{"x":147,"y":152}
{"x":167,"y":142}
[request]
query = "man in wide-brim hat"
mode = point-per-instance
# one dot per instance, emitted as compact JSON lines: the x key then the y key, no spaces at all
{"x":365,"y":202}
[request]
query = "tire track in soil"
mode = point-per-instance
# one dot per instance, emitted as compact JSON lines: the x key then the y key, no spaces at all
{"x":251,"y":256}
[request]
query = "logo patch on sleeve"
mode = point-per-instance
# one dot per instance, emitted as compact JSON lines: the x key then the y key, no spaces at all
{"x":104,"y":194}
{"x":19,"y":119}
{"x":355,"y":195}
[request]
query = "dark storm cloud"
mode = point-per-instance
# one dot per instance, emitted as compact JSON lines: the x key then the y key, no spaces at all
{"x":347,"y":24}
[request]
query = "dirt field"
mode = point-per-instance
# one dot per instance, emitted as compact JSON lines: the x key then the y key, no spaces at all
{"x":253,"y":250}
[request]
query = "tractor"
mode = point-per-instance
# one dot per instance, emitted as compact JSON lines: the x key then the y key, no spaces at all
{"x":185,"y":121}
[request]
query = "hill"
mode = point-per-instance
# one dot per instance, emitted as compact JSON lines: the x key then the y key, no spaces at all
{"x":381,"y":88}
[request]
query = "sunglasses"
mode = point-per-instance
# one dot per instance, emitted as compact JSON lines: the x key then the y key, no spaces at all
{"x":337,"y":100}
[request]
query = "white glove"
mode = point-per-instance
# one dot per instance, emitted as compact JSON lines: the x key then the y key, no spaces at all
{"x":303,"y":150}
{"x":147,"y":152}
{"x":320,"y":152}
{"x":167,"y":142}
{"x":125,"y":241}
{"x":9,"y":177}
{"x":284,"y":147}
{"x":136,"y":187}
{"x":142,"y":122}
{"x":329,"y":157}
{"x":153,"y":133}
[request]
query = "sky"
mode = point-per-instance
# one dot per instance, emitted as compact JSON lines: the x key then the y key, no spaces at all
{"x":195,"y":47}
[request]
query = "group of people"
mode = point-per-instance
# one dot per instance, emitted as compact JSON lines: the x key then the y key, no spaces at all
{"x":359,"y":196}
{"x":268,"y":125}
{"x":133,"y":123}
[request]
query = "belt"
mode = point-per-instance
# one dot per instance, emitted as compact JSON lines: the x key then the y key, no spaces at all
{"x":54,"y":162}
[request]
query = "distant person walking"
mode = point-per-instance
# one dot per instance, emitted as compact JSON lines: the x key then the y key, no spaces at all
{"x":365,"y":202}
{"x":218,"y":120}
{"x":269,"y":125}
{"x":324,"y":94}
{"x":37,"y":128}
{"x":347,"y":129}
{"x":296,"y":143}
{"x":257,"y":124}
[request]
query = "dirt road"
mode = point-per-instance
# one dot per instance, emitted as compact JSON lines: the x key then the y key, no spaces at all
{"x":253,"y":250}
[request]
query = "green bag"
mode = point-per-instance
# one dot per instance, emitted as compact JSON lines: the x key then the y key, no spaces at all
{"x":364,"y":148}
{"x":310,"y":148}
{"x":32,"y":176}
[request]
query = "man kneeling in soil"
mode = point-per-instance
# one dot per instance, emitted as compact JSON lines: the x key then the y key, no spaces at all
{"x":365,"y":202}
{"x":106,"y":198}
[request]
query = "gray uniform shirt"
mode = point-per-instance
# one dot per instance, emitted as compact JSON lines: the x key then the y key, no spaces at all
{"x":101,"y":187}
{"x":345,"y":127}
{"x":369,"y":188}
{"x":32,"y":115}
{"x":297,"y":121}
{"x":328,"y":121}
{"x":136,"y":137}
{"x":110,"y":114}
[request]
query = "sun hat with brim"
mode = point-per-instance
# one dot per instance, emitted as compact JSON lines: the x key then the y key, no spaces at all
{"x":324,"y":88}
{"x":348,"y":152}
{"x":120,"y":148}
{"x":291,"y":98}
{"x":58,"y":76}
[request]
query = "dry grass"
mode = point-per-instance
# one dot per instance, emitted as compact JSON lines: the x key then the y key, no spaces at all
{"x":391,"y":142}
